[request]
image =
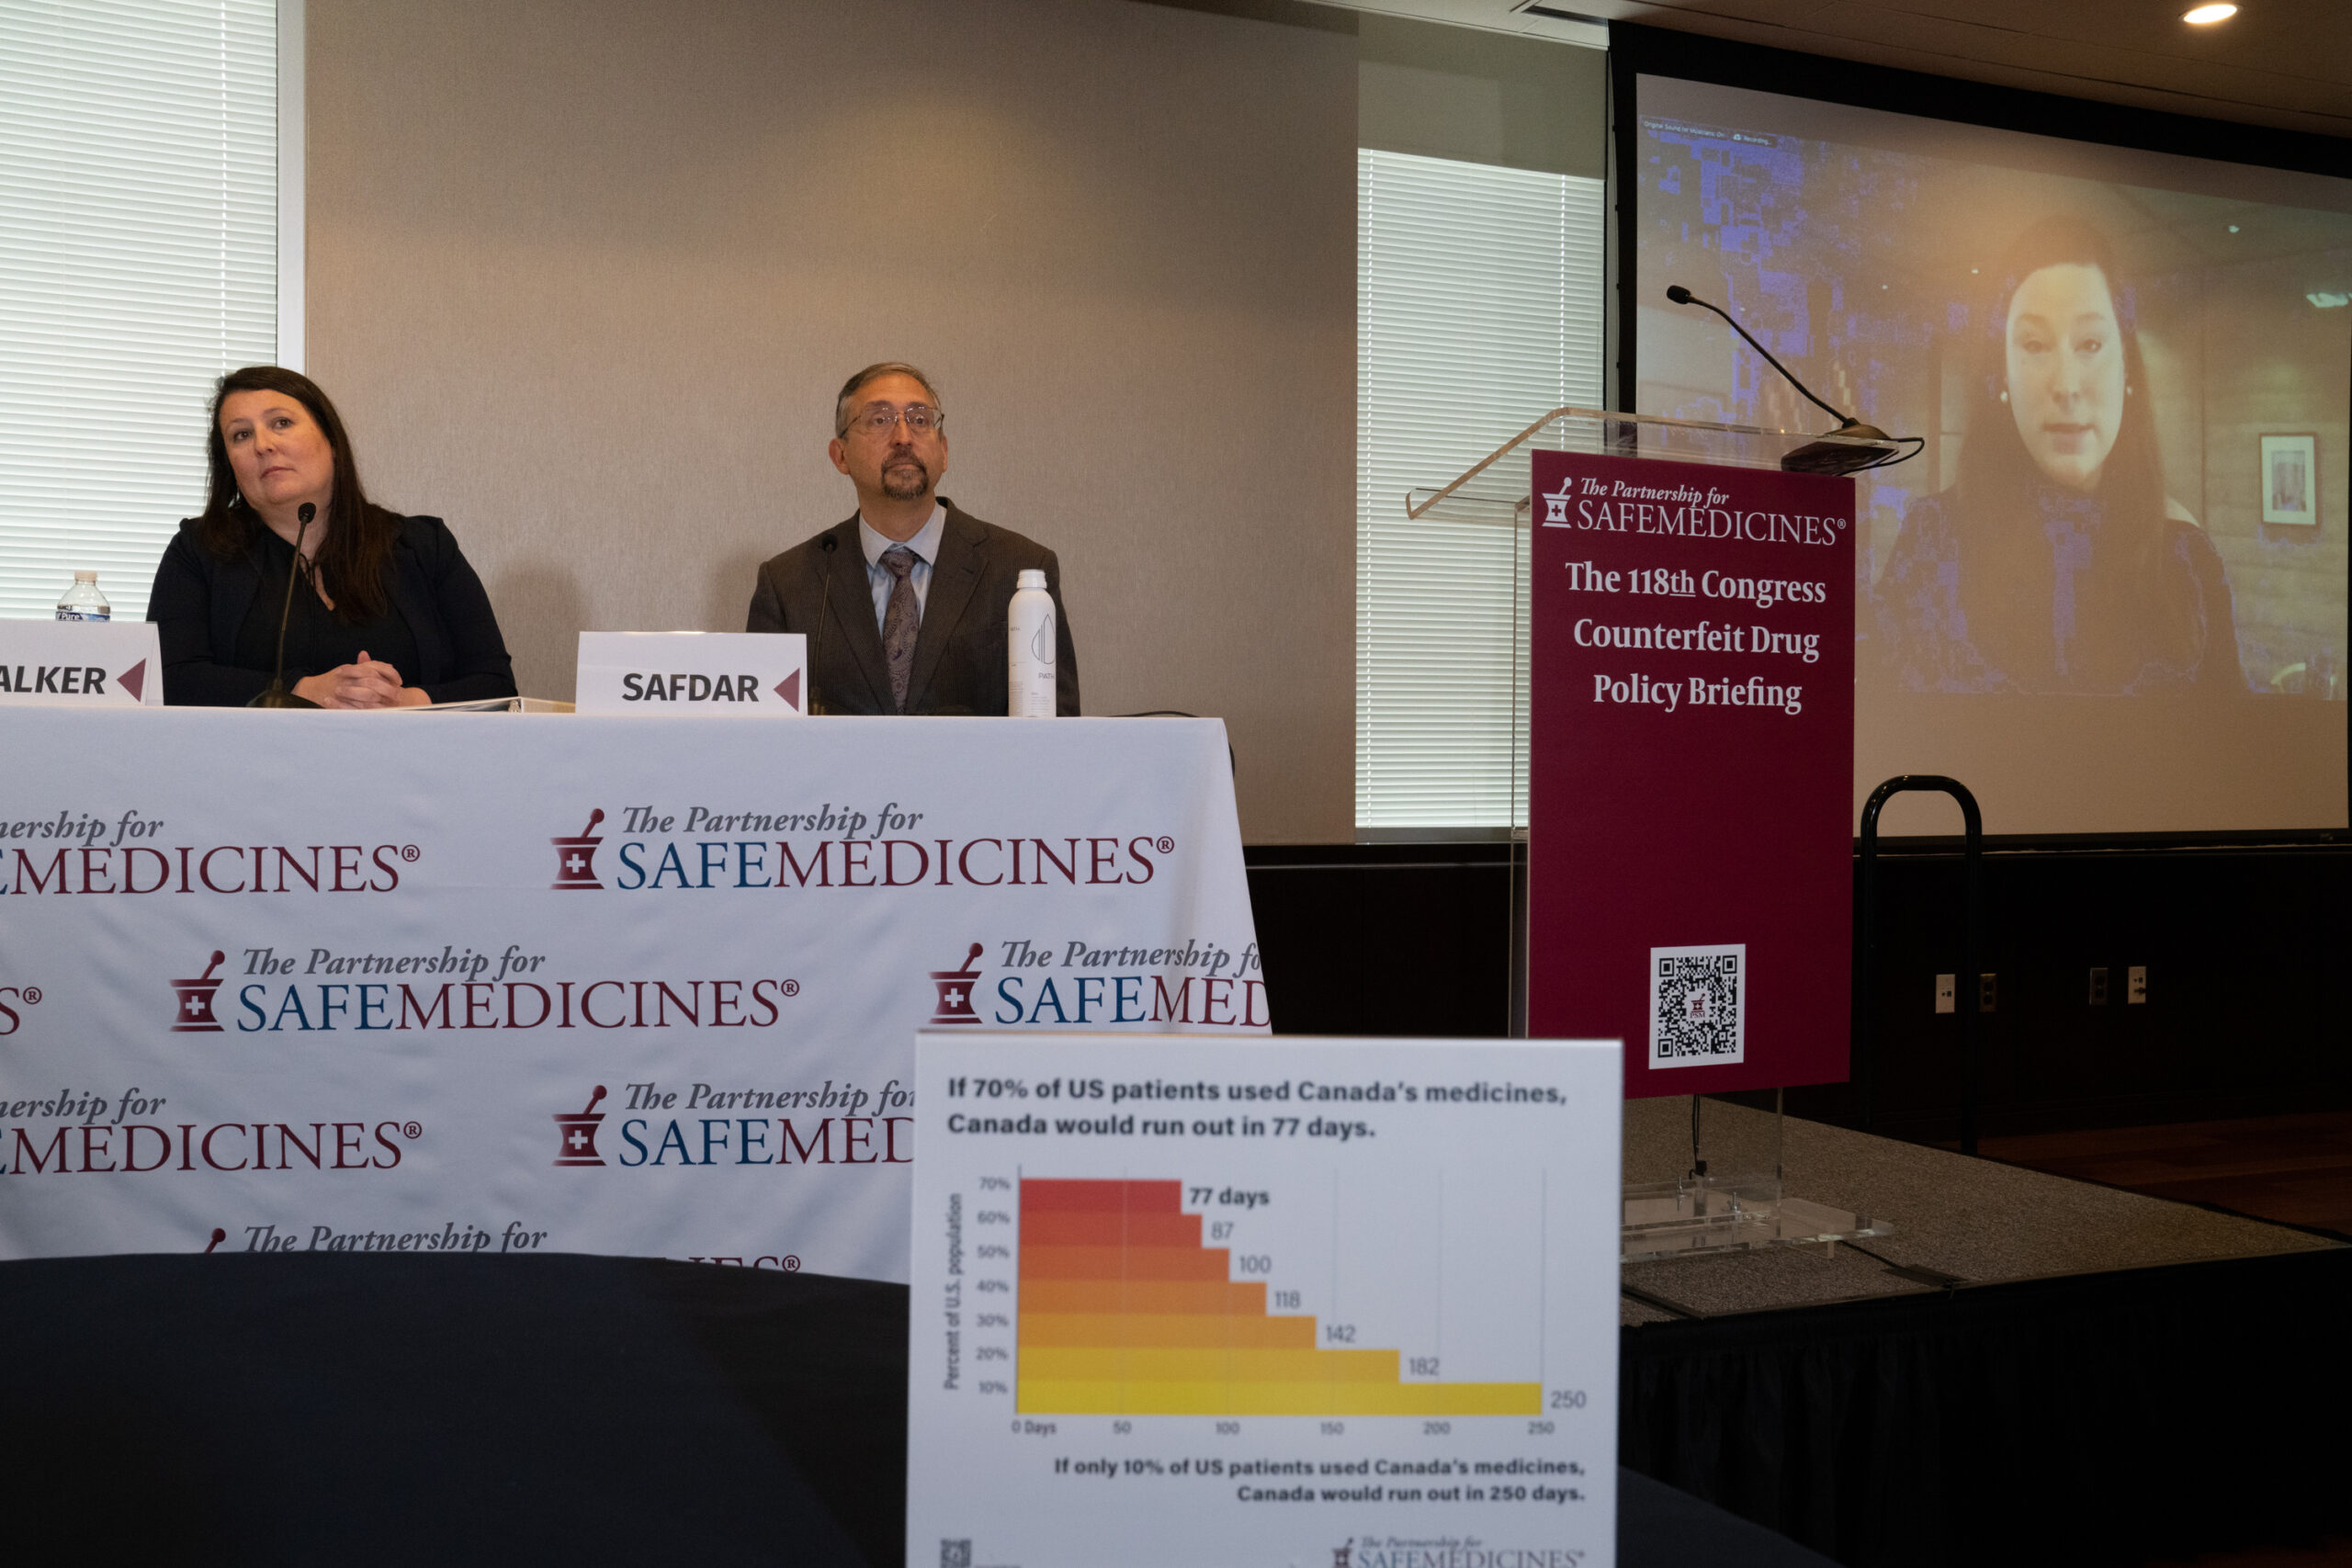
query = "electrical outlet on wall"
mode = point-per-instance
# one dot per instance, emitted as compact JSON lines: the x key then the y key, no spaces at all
{"x":2099,"y":986}
{"x":2135,"y":989}
{"x":1987,"y":992}
{"x":1946,"y":989}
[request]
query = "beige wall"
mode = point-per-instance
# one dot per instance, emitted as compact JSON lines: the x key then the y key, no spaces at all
{"x":584,"y":274}
{"x":1482,"y":97}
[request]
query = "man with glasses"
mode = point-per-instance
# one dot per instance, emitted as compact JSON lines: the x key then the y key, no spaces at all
{"x":904,"y":603}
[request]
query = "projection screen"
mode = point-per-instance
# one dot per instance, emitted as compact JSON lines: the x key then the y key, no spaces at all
{"x":2110,"y":593}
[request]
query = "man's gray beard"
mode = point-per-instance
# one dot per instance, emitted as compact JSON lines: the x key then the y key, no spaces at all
{"x":905,"y":481}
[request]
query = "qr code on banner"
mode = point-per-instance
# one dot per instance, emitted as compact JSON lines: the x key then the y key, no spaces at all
{"x":1698,"y":1012}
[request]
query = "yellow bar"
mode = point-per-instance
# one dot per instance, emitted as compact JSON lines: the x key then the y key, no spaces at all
{"x":1044,"y":1397}
{"x":1195,"y":1330}
{"x":1234,"y":1363}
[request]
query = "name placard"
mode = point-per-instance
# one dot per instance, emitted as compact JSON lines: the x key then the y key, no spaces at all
{"x":757,"y":674}
{"x":81,"y":664}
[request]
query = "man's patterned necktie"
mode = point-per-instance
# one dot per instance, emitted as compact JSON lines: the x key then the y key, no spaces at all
{"x":901,"y":619}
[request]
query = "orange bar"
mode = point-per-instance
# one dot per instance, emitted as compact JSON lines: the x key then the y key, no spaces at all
{"x":1125,"y":1263}
{"x":1150,"y":1196}
{"x":1082,"y":1227}
{"x":1179,"y":1296}
{"x":1166,"y":1330}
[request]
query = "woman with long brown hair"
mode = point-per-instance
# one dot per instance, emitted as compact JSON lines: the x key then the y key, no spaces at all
{"x":2055,"y":562}
{"x":386,"y":612}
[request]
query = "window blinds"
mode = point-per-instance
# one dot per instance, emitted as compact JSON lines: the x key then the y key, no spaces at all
{"x":137,"y":261}
{"x":1478,"y":307}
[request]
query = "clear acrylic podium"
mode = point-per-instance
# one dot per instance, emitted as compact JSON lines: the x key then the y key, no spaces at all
{"x":1501,"y":478}
{"x":1700,"y":1175}
{"x":1704,"y":1175}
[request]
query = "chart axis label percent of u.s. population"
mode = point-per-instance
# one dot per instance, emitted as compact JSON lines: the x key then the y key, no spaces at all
{"x":1191,"y":1302}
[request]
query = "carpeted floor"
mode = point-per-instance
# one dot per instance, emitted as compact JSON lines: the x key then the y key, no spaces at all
{"x":1974,"y":1221}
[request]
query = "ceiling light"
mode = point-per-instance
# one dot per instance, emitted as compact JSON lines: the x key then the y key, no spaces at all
{"x":2327,"y":302}
{"x":2205,"y":16}
{"x":2233,"y":228}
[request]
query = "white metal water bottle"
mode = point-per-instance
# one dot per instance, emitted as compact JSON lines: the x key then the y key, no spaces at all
{"x":83,"y":601}
{"x":1029,"y":651}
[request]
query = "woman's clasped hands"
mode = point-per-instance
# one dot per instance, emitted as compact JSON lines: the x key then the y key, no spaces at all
{"x":370,"y":683}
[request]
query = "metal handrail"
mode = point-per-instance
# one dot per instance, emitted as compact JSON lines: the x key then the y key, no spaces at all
{"x":1970,"y":984}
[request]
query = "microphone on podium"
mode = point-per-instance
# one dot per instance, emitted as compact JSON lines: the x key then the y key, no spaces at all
{"x":824,"y":608}
{"x":274,"y":694}
{"x":1819,"y":457}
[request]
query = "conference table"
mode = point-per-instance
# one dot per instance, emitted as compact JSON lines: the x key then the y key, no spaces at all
{"x":486,"y":1137}
{"x":500,"y":983}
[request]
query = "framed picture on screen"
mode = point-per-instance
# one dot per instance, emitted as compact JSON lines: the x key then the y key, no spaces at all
{"x":2290,"y":479}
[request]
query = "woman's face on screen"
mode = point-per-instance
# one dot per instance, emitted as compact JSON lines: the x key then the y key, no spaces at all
{"x":2065,"y":371}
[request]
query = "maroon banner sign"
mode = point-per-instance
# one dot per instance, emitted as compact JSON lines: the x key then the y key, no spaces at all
{"x":1691,"y":725}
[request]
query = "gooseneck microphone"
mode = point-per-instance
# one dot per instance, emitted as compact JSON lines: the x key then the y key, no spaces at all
{"x":1819,"y":457}
{"x":274,"y":694}
{"x":824,"y":610}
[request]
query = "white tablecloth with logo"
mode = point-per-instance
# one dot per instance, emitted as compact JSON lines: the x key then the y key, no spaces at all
{"x":489,"y":983}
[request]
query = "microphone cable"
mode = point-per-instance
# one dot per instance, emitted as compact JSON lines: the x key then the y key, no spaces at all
{"x":829,"y":548}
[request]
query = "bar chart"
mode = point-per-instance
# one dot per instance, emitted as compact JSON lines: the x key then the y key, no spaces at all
{"x":1123,"y":1310}
{"x":1181,"y":1302}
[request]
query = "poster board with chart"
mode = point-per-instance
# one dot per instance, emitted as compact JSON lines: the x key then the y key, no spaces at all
{"x":1308,"y":1301}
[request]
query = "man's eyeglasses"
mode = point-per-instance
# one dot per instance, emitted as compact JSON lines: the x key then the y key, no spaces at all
{"x":879,"y":419}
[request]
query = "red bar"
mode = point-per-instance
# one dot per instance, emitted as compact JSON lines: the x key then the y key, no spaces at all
{"x":1147,"y":1196}
{"x":1080,"y":1228}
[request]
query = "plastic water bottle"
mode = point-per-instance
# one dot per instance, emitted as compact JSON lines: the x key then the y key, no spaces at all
{"x":1029,"y":652}
{"x":83,"y":601}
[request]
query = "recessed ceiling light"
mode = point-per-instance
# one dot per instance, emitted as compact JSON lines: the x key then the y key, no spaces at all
{"x":2233,"y":228}
{"x":2327,"y":302}
{"x":2205,"y":16}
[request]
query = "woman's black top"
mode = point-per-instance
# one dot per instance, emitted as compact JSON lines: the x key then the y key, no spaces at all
{"x":317,"y":638}
{"x":218,"y":621}
{"x":2093,"y":638}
